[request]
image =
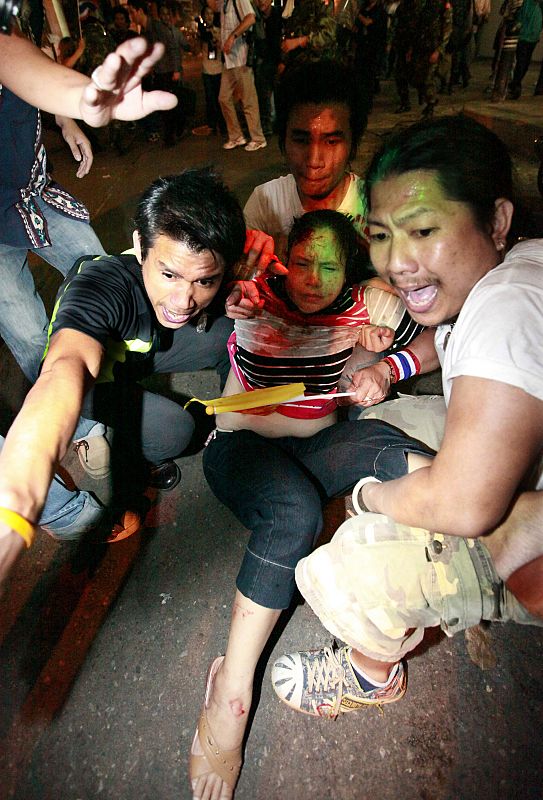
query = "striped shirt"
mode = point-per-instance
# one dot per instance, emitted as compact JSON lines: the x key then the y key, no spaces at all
{"x":284,"y":345}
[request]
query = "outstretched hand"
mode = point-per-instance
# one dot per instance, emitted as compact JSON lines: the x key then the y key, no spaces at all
{"x":115,"y":91}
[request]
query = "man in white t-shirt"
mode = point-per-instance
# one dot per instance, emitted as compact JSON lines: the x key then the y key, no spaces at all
{"x":456,"y":539}
{"x":237,"y":17}
{"x":320,"y":122}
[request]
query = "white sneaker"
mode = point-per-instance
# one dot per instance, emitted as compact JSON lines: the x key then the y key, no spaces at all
{"x":94,"y":456}
{"x":231,"y":143}
{"x":252,"y":146}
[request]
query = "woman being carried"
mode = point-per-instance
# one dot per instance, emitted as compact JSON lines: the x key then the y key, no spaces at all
{"x":275,"y":470}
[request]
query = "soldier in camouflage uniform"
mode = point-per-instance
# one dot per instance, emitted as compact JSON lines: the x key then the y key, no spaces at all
{"x":99,"y":43}
{"x":429,"y":45}
{"x":389,"y":572}
{"x":310,"y":34}
{"x":407,"y":16}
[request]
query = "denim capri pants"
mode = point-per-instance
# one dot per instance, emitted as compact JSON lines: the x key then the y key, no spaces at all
{"x":276,"y":488}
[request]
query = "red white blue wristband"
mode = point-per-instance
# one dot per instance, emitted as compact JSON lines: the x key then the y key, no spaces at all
{"x":402,"y":364}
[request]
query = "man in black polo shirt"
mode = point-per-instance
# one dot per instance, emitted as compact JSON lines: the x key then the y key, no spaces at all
{"x":118,"y":319}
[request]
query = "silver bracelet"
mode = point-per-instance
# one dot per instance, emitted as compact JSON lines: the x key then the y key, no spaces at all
{"x":359,"y":506}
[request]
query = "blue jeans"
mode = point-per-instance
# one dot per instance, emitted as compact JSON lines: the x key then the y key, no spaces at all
{"x":149,"y":427}
{"x":68,"y":513}
{"x":276,"y":488}
{"x":23,"y":321}
{"x":161,"y":426}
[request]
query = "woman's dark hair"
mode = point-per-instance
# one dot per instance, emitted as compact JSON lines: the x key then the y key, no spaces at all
{"x":344,"y":233}
{"x":194,"y":208}
{"x":472,"y":164}
{"x":321,"y":83}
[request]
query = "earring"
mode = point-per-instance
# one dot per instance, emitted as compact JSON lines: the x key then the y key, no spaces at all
{"x":500,"y":244}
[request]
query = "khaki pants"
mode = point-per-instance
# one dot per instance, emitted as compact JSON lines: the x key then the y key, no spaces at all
{"x":240,"y":80}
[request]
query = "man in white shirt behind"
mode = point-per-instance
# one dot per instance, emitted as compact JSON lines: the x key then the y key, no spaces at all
{"x":237,"y":17}
{"x":319,"y":125}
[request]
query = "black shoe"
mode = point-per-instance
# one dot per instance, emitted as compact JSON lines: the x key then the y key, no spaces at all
{"x":164,"y":476}
{"x":403,"y":108}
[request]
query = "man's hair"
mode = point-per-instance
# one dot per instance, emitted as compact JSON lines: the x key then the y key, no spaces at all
{"x":343,"y":231}
{"x":323,"y":82}
{"x":471,"y":163}
{"x":196,"y":209}
{"x":139,"y":5}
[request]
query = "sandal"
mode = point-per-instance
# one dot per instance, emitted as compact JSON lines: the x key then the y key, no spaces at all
{"x":224,"y":763}
{"x":129,"y":522}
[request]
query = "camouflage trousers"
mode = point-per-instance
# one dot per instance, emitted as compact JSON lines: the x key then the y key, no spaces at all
{"x":378,"y":584}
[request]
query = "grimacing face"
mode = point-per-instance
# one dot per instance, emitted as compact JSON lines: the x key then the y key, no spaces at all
{"x":317,"y":147}
{"x":429,"y":248}
{"x":316,"y":272}
{"x":179,"y":282}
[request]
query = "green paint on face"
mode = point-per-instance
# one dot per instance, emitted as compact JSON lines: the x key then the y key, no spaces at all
{"x":385,"y":166}
{"x":316,"y":272}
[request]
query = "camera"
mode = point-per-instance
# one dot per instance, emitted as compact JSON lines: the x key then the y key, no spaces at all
{"x":8,"y":9}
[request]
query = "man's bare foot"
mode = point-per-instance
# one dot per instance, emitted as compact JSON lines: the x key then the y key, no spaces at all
{"x":227,"y":706}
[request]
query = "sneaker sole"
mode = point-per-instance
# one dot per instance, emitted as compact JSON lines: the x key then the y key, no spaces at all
{"x":346,"y":705}
{"x":98,"y":474}
{"x":342,"y":709}
{"x":233,"y":147}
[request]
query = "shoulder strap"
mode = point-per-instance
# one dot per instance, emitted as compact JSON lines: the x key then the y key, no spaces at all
{"x":236,"y":10}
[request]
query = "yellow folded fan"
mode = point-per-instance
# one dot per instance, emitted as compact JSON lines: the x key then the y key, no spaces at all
{"x":272,"y":396}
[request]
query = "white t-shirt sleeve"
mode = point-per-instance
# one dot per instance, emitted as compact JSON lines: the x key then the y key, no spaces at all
{"x":384,"y":308}
{"x":271,"y":208}
{"x":255,"y":210}
{"x":244,"y":8}
{"x":499,"y":333}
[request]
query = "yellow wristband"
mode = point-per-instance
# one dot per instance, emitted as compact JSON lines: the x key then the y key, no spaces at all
{"x":19,"y":524}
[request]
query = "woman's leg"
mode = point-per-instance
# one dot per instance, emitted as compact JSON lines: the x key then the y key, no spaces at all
{"x":274,"y":497}
{"x":272,"y":494}
{"x":232,"y":691}
{"x":338,"y":456}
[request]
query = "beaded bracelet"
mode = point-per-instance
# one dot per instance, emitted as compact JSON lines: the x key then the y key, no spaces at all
{"x":402,"y":365}
{"x":19,"y":524}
